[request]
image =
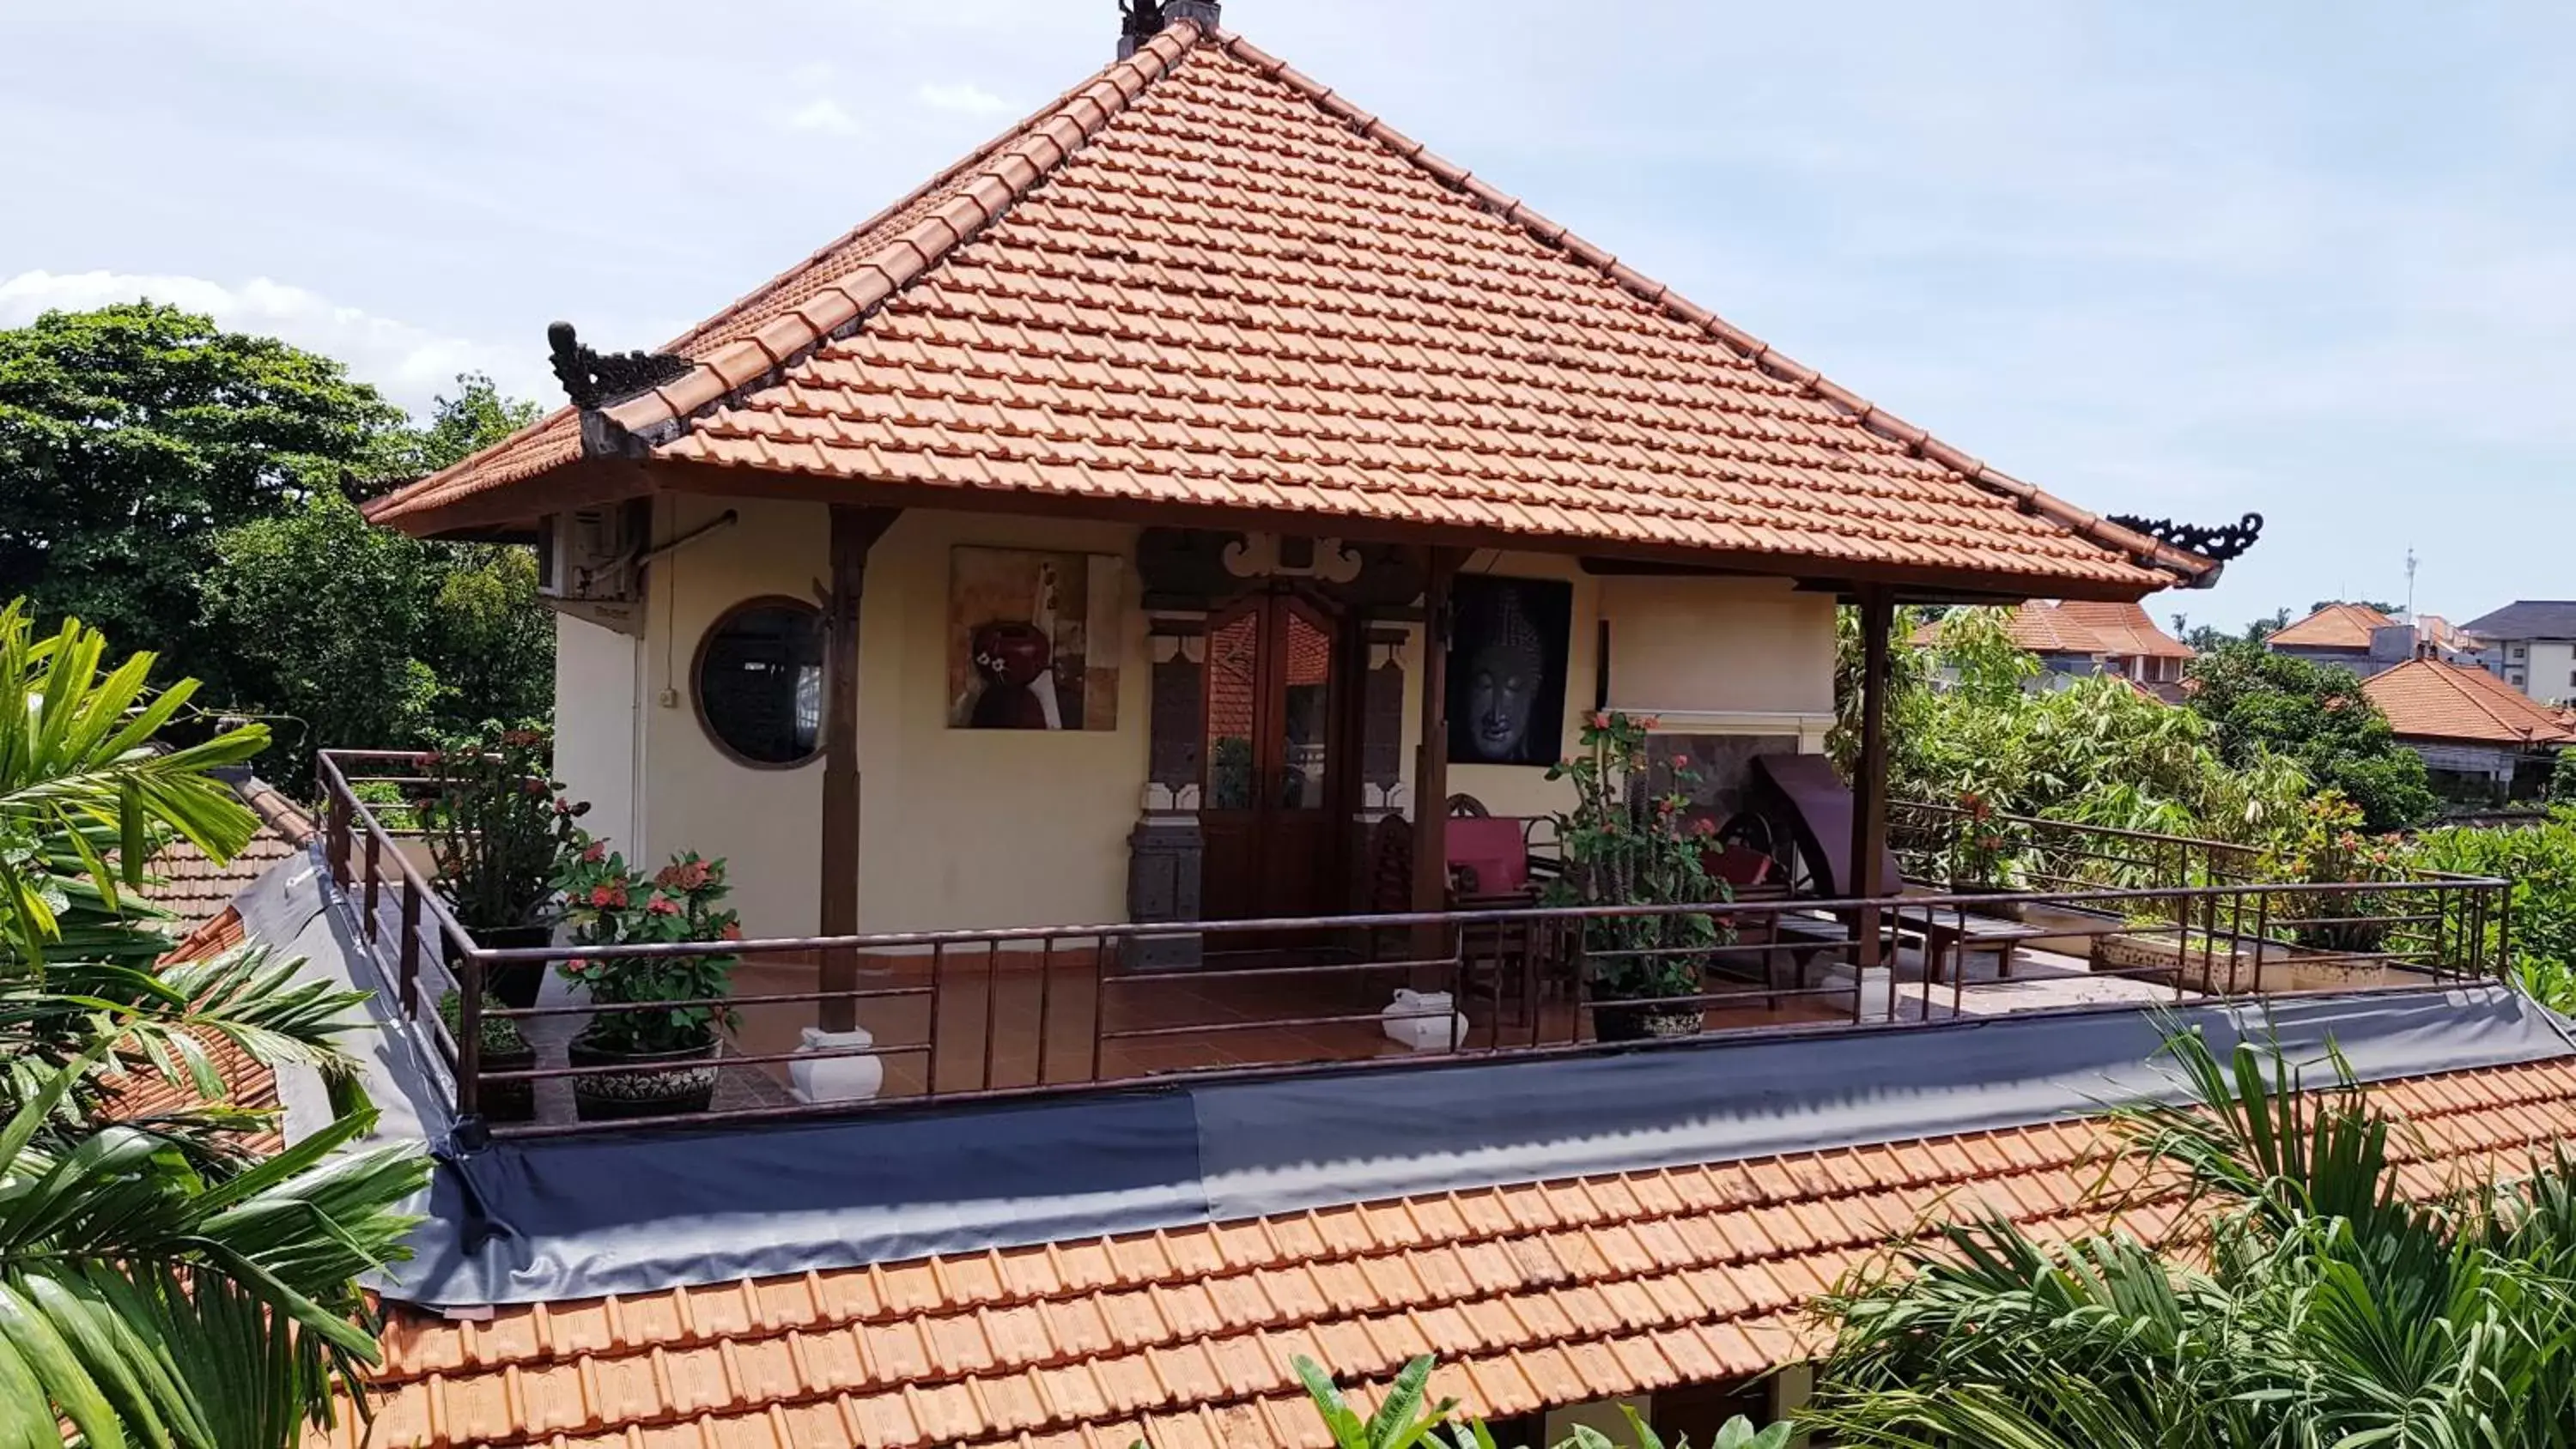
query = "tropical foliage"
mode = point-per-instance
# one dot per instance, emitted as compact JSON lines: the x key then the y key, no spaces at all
{"x":1406,"y":1417}
{"x":190,"y":490}
{"x":158,"y":1286}
{"x":1964,"y":723}
{"x":2540,"y":861}
{"x":497,"y":826}
{"x":2261,"y":705}
{"x":2315,"y":1305}
{"x":1625,"y":843}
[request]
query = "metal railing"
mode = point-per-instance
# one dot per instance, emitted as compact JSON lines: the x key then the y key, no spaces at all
{"x":983,"y":1015}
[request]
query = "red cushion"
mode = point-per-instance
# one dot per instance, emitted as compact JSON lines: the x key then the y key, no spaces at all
{"x":1492,"y":848}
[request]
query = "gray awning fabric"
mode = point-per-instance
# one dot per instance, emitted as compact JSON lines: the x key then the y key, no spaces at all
{"x":557,"y":1219}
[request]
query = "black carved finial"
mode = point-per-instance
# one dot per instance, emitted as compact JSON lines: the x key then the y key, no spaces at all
{"x":2218,"y":544}
{"x":595,"y":379}
{"x":1140,"y":19}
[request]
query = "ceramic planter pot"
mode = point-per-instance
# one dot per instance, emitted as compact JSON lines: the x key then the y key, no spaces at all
{"x":515,"y":984}
{"x":659,"y":1084}
{"x":509,"y":1101}
{"x":1646,"y":1021}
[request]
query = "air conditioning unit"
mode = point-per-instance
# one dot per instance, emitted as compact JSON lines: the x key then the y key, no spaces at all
{"x":589,"y":553}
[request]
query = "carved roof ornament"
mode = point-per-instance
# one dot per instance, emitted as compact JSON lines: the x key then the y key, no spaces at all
{"x":1140,"y":19}
{"x":595,"y":379}
{"x":2227,"y":541}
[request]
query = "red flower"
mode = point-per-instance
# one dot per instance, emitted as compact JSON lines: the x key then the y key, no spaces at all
{"x":1681,"y":762}
{"x":562,"y":806}
{"x":662,"y":905}
{"x":1703,"y":827}
{"x":608,"y":897}
{"x":1600,"y":720}
{"x":732,"y":931}
{"x":595,"y":852}
{"x":533,"y":787}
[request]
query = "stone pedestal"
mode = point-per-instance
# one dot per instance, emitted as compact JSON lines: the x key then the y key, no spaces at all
{"x":837,"y":1079}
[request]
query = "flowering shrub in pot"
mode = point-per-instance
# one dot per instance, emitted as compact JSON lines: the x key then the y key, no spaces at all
{"x":1627,"y":844}
{"x":670,"y":1046}
{"x":498,"y":828}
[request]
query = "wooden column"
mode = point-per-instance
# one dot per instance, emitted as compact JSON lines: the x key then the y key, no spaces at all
{"x":1869,"y":781}
{"x":1431,"y":753}
{"x":855,"y":530}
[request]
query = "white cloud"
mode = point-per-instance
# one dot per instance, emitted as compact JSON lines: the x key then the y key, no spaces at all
{"x":409,"y":364}
{"x":824,"y":115}
{"x":964,"y":97}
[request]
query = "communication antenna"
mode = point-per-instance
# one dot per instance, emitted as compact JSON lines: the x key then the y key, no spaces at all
{"x":2410,"y":585}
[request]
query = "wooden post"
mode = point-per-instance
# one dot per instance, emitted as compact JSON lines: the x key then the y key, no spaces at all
{"x":1869,"y":783}
{"x":855,"y":530}
{"x":1431,"y":755}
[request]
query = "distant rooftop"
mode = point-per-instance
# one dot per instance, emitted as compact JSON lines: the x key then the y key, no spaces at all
{"x":2336,"y":626}
{"x":2430,"y":700}
{"x":2528,"y":619}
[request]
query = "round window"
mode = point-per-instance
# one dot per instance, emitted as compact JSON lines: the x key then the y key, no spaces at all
{"x":760,"y":682}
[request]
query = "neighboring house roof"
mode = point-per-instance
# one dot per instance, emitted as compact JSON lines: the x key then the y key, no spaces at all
{"x":2441,"y":633}
{"x":2041,"y":628}
{"x":1204,"y":281}
{"x":2336,"y":626}
{"x":2528,"y":619}
{"x":1533,"y":1296}
{"x":2430,"y":700}
{"x":2125,"y":630}
{"x":186,"y":882}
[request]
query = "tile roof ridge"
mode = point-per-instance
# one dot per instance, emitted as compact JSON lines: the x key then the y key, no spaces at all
{"x":2083,"y":523}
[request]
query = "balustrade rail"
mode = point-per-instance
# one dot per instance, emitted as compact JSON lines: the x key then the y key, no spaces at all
{"x":978,"y":1015}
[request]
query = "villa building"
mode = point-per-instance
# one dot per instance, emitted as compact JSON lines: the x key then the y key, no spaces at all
{"x":2079,"y":639}
{"x":1116,"y":611}
{"x":2531,"y":645}
{"x":2482,"y":739}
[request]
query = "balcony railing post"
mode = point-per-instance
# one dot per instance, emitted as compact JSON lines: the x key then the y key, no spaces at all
{"x":2504,"y":931}
{"x":336,"y":836}
{"x":407,"y":951}
{"x":2262,"y":933}
{"x":469,"y":1034}
{"x":375,"y":872}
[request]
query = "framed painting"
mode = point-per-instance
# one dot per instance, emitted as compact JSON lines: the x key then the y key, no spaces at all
{"x":1033,"y":639}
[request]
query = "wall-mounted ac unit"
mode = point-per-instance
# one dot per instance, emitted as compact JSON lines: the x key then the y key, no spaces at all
{"x":589,"y":553}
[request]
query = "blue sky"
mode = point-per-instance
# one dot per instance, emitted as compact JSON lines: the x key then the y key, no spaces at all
{"x":2189,"y":259}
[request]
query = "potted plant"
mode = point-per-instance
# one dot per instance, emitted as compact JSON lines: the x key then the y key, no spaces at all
{"x":1626,"y":844}
{"x":2325,"y":846}
{"x":668,"y":1053}
{"x":498,"y":829}
{"x":505,"y":1049}
{"x":1984,"y":854}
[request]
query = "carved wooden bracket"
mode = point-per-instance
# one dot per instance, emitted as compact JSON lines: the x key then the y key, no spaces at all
{"x":2218,"y":544}
{"x":595,"y":379}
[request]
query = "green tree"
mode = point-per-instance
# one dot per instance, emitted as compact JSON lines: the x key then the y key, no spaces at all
{"x":157,"y":1285}
{"x":2260,"y":703}
{"x":128,"y":435}
{"x":364,"y":638}
{"x":2316,"y":1306}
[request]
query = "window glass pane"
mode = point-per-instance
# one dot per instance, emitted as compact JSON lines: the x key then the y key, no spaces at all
{"x":1233,"y":699}
{"x":1309,"y":719}
{"x":760,"y":682}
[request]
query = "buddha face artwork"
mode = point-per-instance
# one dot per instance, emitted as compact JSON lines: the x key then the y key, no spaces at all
{"x":1507,"y":670}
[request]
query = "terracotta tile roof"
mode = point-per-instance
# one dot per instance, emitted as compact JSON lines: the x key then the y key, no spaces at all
{"x":247,"y":1084}
{"x":2040,"y":627}
{"x":194,"y":889}
{"x":2125,"y":630}
{"x":1534,"y":1295}
{"x":2336,"y":626}
{"x":1203,"y":280}
{"x":2430,"y":700}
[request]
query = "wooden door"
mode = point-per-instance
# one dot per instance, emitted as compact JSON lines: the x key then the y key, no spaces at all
{"x":1273,"y":760}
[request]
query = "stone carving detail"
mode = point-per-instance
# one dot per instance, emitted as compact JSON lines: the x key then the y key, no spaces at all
{"x":595,"y":379}
{"x":2227,"y":541}
{"x":1269,"y":556}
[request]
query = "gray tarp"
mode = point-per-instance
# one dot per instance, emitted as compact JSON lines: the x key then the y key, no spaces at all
{"x":558,"y":1219}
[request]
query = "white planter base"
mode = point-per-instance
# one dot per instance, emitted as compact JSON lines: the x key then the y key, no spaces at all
{"x":837,"y":1079}
{"x":1424,"y":1021}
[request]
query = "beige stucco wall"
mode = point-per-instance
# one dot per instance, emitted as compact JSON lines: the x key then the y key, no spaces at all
{"x":1705,"y":655}
{"x":595,"y":722}
{"x":957,"y":827}
{"x":964,"y":828}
